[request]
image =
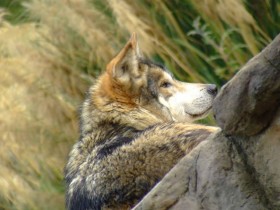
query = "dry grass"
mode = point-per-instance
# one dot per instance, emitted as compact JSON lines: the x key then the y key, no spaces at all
{"x":47,"y":64}
{"x":38,"y":121}
{"x":233,"y":13}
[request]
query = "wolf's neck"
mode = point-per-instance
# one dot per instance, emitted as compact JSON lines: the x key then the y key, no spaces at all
{"x":94,"y":120}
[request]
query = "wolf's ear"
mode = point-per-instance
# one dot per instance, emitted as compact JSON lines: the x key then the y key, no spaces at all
{"x":125,"y":64}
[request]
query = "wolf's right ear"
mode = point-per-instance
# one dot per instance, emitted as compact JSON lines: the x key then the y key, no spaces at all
{"x":125,"y":63}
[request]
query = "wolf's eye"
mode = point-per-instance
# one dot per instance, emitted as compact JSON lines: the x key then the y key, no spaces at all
{"x":166,"y":85}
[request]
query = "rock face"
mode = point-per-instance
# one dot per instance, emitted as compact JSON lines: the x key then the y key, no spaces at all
{"x":238,"y":168}
{"x":248,"y":102}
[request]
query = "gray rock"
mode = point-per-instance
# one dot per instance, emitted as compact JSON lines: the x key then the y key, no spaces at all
{"x":248,"y":102}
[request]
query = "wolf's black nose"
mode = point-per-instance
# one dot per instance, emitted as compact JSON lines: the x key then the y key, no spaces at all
{"x":212,"y":89}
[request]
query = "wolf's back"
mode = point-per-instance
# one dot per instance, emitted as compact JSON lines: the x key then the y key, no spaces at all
{"x":122,"y":169}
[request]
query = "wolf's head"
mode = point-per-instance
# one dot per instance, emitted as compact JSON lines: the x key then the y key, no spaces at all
{"x":132,"y":82}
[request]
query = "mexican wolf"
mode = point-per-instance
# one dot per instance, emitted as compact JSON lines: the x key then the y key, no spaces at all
{"x":136,"y":124}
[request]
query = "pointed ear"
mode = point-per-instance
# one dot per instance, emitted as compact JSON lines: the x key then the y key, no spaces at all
{"x":126,"y":61}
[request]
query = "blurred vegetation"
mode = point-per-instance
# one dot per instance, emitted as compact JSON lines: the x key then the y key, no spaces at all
{"x":14,"y":9}
{"x":51,"y":50}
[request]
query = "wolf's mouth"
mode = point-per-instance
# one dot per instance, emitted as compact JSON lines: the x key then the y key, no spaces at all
{"x":199,"y":114}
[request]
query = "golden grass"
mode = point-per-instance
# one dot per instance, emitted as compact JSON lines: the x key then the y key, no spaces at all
{"x":38,"y":122}
{"x":76,"y":33}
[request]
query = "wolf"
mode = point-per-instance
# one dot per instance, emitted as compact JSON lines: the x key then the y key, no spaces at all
{"x":135,"y":125}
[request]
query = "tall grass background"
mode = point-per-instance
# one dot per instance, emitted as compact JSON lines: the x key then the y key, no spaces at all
{"x":51,"y":51}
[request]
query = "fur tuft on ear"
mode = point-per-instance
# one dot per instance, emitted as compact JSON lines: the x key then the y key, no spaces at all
{"x":134,"y":43}
{"x":125,"y":63}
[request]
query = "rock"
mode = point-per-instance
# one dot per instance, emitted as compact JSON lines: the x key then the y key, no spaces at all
{"x":247,"y":103}
{"x":238,"y":167}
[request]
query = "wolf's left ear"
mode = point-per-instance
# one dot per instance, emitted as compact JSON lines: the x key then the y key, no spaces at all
{"x":125,"y":63}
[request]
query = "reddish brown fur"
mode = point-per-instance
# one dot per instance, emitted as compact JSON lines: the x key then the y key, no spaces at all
{"x":111,"y":91}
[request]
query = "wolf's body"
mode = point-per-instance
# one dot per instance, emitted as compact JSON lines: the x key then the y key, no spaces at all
{"x":135,"y":126}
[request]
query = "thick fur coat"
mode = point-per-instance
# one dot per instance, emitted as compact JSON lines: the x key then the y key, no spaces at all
{"x":135,"y":126}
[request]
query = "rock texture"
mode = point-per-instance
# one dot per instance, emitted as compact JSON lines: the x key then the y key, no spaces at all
{"x":238,"y":168}
{"x":248,"y":102}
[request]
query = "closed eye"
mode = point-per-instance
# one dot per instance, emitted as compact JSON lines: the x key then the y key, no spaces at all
{"x":165,"y":85}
